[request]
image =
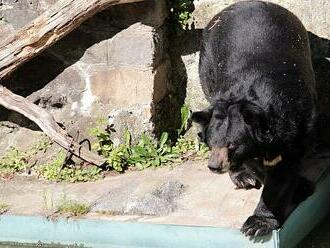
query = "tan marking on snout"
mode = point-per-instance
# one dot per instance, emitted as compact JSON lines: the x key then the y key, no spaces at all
{"x":221,"y":156}
{"x":273,"y":162}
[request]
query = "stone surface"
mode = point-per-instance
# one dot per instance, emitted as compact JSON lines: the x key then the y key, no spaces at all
{"x":195,"y":96}
{"x":142,"y":200}
{"x":151,"y":13}
{"x":133,"y":49}
{"x":12,"y":135}
{"x":187,"y":194}
{"x":115,"y":62}
{"x":122,"y":87}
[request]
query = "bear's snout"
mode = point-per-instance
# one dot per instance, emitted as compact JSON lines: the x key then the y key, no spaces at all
{"x":219,"y":160}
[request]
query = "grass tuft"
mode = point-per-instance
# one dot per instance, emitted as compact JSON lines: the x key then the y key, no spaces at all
{"x":72,"y":208}
{"x":3,"y":207}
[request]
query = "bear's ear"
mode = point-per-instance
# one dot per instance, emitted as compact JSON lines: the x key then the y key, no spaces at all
{"x":202,"y":117}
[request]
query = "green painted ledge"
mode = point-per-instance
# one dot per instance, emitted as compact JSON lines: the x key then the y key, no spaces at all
{"x":108,"y":234}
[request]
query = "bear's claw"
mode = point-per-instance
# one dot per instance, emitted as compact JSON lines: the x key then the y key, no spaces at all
{"x":244,"y":180}
{"x":259,"y":226}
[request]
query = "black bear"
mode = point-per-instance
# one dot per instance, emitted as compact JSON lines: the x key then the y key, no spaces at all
{"x":256,"y":72}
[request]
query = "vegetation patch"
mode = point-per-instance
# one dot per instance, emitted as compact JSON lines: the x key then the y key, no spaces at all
{"x":3,"y":208}
{"x":71,"y":208}
{"x":148,"y":152}
{"x":59,"y":170}
{"x":19,"y":161}
{"x":16,"y":161}
{"x":144,"y":153}
{"x":13,"y":161}
{"x":181,"y":10}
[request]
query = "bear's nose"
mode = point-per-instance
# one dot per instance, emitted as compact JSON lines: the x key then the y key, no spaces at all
{"x":218,"y":161}
{"x":231,"y":147}
{"x":214,"y":165}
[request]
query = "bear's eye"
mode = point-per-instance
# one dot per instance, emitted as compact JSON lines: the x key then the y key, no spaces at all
{"x":220,"y":115}
{"x":249,"y":117}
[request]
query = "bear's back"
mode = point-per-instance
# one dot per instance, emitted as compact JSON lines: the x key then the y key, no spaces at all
{"x":247,"y":37}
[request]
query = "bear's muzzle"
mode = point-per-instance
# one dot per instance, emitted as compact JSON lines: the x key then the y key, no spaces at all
{"x":219,"y":160}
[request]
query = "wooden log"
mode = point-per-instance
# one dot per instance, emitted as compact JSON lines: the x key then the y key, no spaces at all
{"x":47,"y":124}
{"x":63,"y":17}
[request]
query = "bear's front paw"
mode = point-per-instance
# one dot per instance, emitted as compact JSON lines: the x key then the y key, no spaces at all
{"x":259,"y":226}
{"x":244,"y":180}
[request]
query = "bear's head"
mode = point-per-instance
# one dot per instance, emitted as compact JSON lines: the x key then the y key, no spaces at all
{"x":234,"y":131}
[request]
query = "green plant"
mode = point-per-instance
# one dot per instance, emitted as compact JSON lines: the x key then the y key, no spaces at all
{"x":72,"y":208}
{"x":181,"y":10}
{"x":42,"y":145}
{"x":148,"y":152}
{"x":104,"y":143}
{"x":203,"y":151}
{"x":58,"y":171}
{"x":13,"y":161}
{"x":184,"y":145}
{"x":18,"y":161}
{"x":3,"y":207}
{"x":185,"y":119}
{"x":116,"y":156}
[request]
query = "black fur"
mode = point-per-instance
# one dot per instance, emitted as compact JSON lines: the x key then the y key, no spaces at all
{"x":255,"y":69}
{"x":248,"y":175}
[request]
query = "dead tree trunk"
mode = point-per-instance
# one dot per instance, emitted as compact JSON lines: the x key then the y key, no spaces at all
{"x":63,"y":17}
{"x":54,"y":24}
{"x":47,"y":124}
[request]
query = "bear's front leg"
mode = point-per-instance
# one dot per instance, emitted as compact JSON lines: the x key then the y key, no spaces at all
{"x":249,"y":175}
{"x":284,"y":189}
{"x":261,"y":223}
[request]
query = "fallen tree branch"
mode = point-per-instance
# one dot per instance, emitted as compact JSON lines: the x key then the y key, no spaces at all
{"x":47,"y":124}
{"x":63,"y":17}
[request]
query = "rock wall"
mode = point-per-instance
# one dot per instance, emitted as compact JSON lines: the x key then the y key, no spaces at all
{"x":114,"y":66}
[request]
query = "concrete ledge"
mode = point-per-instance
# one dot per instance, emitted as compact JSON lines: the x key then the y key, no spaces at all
{"x":106,"y":234}
{"x":96,"y":233}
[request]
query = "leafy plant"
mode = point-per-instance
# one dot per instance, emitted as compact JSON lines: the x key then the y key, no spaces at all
{"x":3,"y":207}
{"x":185,"y":119}
{"x":148,"y":152}
{"x":18,"y":161}
{"x":58,"y":171}
{"x":117,"y":158}
{"x":104,"y":145}
{"x":182,"y":10}
{"x":13,"y":161}
{"x":42,"y":145}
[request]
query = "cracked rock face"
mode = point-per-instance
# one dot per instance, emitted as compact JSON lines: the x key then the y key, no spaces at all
{"x":115,"y":61}
{"x":158,"y":201}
